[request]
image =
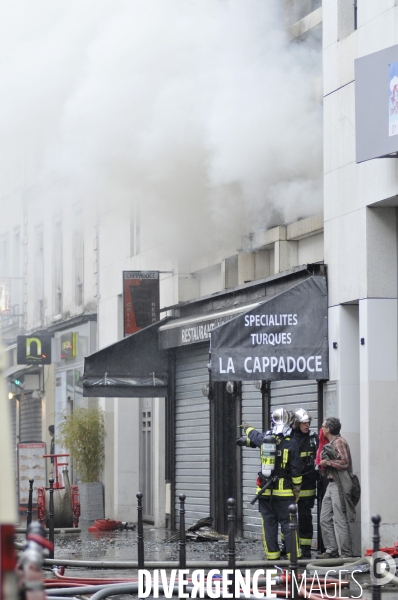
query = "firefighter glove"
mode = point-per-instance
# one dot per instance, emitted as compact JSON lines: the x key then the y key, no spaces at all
{"x":296,"y":492}
{"x":241,"y":441}
{"x":244,"y":425}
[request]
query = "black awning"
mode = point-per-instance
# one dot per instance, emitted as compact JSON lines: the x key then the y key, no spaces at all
{"x":134,"y":367}
{"x":285,"y":337}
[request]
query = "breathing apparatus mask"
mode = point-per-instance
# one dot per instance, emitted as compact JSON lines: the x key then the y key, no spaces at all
{"x":281,"y":419}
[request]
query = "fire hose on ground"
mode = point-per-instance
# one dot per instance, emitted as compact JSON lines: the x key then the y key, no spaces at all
{"x":182,"y":563}
{"x":60,"y":530}
{"x":64,"y":586}
{"x":62,"y":580}
{"x":131,"y":588}
{"x":193,"y":564}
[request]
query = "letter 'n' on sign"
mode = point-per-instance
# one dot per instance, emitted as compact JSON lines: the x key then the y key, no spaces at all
{"x":33,"y":347}
{"x":34,"y":350}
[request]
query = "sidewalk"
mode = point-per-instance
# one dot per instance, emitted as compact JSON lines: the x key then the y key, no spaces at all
{"x":122,"y":546}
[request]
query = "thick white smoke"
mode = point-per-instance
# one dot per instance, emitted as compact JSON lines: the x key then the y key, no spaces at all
{"x":201,"y":109}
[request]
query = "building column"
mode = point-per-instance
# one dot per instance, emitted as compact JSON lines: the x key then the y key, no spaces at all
{"x":379,"y":416}
{"x":126,"y":460}
{"x":107,"y":405}
{"x":159,"y":450}
{"x":345,"y":380}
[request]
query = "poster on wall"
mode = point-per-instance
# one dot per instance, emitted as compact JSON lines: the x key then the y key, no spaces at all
{"x":393,"y":98}
{"x":31,"y":465}
{"x":140,"y":300}
{"x":69,"y":345}
{"x":376,"y":122}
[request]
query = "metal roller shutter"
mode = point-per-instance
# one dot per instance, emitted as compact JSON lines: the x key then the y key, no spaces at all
{"x":192,"y":476}
{"x":252,"y":414}
{"x":293,"y":395}
{"x":30,"y":419}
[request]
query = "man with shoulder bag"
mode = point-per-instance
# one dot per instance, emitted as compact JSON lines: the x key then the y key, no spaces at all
{"x":342,"y":494}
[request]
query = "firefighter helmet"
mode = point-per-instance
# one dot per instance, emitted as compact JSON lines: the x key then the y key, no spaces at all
{"x":280,"y":416}
{"x":281,"y":419}
{"x":300,"y":416}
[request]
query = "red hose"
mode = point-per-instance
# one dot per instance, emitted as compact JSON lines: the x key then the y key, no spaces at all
{"x":91,"y":580}
{"x":54,"y":583}
{"x":104,"y":525}
{"x":35,"y":537}
{"x":62,"y":581}
{"x":281,"y":594}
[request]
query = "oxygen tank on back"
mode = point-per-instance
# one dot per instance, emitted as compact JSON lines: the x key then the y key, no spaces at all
{"x":268,"y":455}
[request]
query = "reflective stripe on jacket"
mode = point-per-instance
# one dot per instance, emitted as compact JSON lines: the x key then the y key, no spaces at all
{"x":308,"y":445}
{"x":287,"y":463}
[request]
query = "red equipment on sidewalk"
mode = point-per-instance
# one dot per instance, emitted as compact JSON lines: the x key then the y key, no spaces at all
{"x":392,"y":551}
{"x":66,"y":498}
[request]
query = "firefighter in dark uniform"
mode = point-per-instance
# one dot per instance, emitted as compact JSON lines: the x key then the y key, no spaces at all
{"x":280,"y":462}
{"x":308,"y":445}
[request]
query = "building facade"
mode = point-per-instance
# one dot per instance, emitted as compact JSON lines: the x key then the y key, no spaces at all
{"x":361,"y":254}
{"x":66,"y":257}
{"x":48,"y":255}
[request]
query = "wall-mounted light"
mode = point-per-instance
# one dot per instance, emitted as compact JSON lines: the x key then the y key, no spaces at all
{"x":206,"y":389}
{"x":10,"y":395}
{"x":231,"y":387}
{"x":335,"y":345}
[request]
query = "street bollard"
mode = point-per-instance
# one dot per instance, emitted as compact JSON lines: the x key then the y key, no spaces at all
{"x":231,"y":542}
{"x":183,"y":543}
{"x":293,"y":567}
{"x":51,"y":517}
{"x":30,"y":505}
{"x":376,"y":591}
{"x":140,"y":532}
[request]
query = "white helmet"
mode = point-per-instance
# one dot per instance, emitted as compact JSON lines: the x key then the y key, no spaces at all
{"x":300,"y":416}
{"x":280,"y":415}
{"x":281,"y":418}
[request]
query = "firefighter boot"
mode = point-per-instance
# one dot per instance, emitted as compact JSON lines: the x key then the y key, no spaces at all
{"x":283,"y":550}
{"x":305,"y":551}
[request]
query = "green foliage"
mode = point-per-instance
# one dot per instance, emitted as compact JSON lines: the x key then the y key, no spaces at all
{"x":83,"y":434}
